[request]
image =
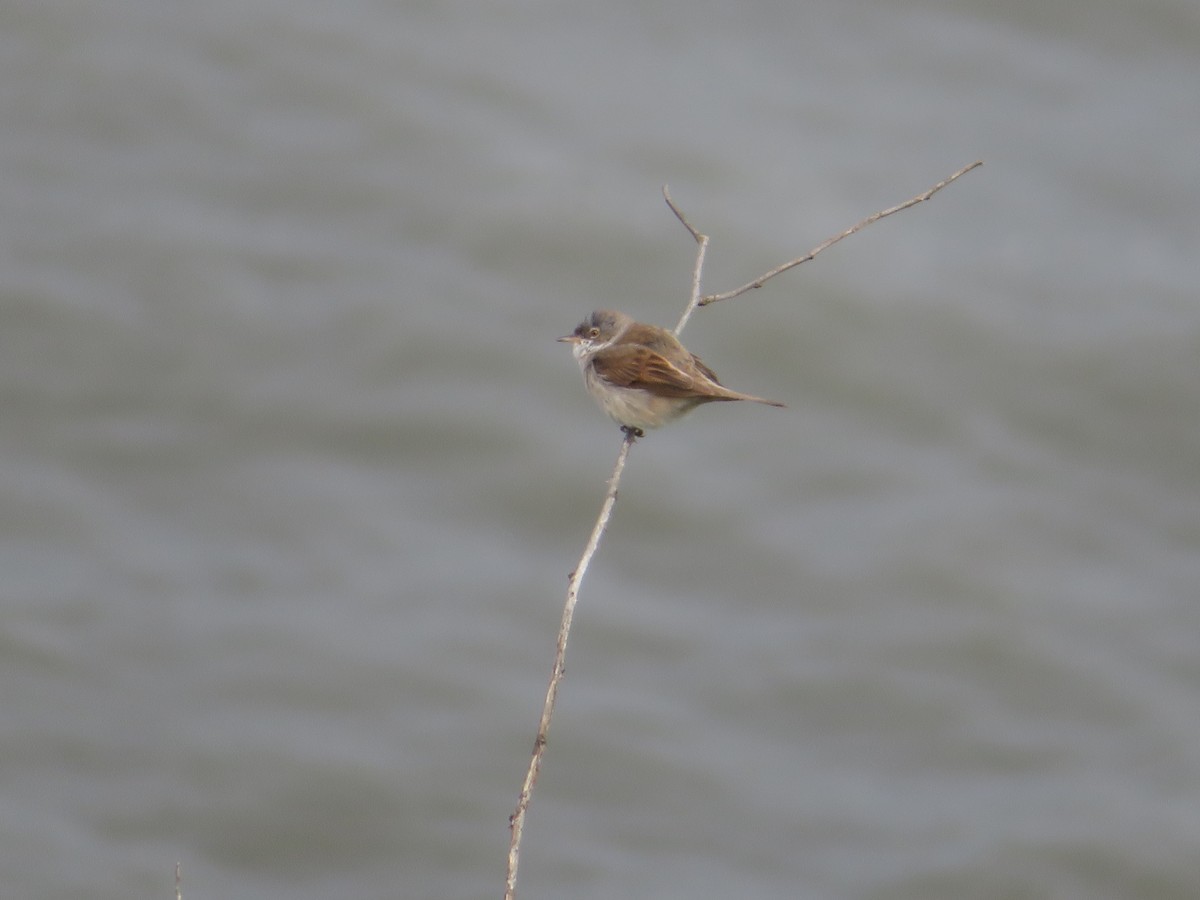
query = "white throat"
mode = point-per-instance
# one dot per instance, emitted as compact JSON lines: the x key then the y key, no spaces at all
{"x":585,"y":350}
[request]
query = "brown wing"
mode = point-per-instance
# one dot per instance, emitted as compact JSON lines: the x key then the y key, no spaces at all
{"x":662,"y":341}
{"x":636,"y":366}
{"x":705,"y":370}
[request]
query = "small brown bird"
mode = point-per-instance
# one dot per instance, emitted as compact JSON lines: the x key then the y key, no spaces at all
{"x":641,"y":375}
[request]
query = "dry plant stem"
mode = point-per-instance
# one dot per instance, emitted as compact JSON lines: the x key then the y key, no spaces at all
{"x":517,"y":821}
{"x":762,"y":279}
{"x":702,"y":241}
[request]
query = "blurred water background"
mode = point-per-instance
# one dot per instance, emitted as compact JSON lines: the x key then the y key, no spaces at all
{"x":292,"y":470}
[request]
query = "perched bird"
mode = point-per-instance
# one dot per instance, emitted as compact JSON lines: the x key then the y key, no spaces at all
{"x":641,"y":375}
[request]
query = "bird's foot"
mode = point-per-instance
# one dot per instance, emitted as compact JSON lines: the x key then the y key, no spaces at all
{"x":632,"y":432}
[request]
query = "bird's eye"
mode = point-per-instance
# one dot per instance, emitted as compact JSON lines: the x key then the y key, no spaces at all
{"x":593,"y":332}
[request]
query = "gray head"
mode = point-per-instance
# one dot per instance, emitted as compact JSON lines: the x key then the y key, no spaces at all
{"x":598,"y":330}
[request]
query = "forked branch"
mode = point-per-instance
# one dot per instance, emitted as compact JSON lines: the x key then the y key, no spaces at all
{"x":516,"y":821}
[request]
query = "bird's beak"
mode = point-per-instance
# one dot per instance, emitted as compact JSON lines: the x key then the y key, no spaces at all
{"x":569,"y":339}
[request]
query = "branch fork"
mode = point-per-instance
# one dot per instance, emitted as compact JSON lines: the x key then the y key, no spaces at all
{"x":516,"y":821}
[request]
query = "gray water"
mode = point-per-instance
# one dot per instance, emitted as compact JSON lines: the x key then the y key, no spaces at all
{"x":292,"y":470}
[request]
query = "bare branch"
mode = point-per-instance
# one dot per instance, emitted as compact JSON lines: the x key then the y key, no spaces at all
{"x":762,"y":279}
{"x":702,"y":241}
{"x":516,"y":821}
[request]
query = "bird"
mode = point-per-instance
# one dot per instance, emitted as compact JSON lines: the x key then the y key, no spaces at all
{"x":641,"y":375}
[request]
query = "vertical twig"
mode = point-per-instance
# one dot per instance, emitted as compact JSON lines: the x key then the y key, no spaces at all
{"x":516,"y":821}
{"x":702,"y":241}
